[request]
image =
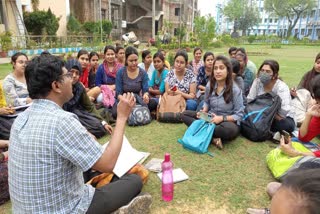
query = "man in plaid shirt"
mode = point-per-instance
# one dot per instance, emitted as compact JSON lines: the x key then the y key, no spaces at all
{"x":50,"y":150}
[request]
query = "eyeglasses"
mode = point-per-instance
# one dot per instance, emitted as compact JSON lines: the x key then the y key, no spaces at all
{"x":68,"y":75}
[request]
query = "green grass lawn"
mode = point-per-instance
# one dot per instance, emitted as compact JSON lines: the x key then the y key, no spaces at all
{"x":236,"y":177}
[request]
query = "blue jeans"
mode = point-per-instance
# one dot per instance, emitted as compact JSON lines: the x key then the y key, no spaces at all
{"x":191,"y":104}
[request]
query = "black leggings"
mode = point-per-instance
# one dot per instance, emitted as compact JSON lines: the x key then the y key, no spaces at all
{"x":116,"y":194}
{"x":226,"y":130}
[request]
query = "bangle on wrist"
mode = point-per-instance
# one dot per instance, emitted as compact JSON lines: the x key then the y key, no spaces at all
{"x":104,"y":123}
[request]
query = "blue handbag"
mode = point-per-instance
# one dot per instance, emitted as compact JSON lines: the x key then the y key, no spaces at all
{"x":198,"y":136}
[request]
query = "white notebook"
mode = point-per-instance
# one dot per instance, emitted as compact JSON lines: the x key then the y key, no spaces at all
{"x":178,"y":175}
{"x":128,"y":157}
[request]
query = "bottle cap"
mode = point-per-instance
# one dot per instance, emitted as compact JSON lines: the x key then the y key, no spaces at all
{"x":167,"y":157}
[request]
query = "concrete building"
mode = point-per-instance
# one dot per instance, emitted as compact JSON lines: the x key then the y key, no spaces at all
{"x":308,"y":25}
{"x":177,"y":13}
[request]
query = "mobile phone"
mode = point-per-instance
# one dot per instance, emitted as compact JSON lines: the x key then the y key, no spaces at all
{"x":286,"y":136}
{"x":173,"y":88}
{"x":205,"y":116}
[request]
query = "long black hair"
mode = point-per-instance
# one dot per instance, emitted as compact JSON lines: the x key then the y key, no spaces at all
{"x":305,"y":83}
{"x":228,"y":93}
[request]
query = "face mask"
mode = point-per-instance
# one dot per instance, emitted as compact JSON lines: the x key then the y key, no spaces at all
{"x":265,"y":78}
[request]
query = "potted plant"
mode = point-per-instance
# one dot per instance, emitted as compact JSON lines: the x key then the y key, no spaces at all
{"x":5,"y":43}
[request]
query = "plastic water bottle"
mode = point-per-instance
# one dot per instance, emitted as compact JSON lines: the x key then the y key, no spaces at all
{"x":167,"y":178}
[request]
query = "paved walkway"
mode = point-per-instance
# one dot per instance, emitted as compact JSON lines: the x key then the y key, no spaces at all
{"x":5,"y":60}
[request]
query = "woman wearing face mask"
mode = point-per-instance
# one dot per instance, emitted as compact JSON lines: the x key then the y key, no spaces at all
{"x":14,"y":85}
{"x":268,"y":81}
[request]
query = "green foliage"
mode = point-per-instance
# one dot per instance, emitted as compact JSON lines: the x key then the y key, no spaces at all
{"x":204,"y":28}
{"x":73,"y":25}
{"x":251,"y":39}
{"x":5,"y":40}
{"x":41,"y":22}
{"x":170,"y":58}
{"x":52,"y":23}
{"x":276,"y":46}
{"x":90,"y":27}
{"x":244,"y":14}
{"x":106,"y":27}
{"x":291,"y":9}
{"x":181,"y":33}
{"x":227,"y":40}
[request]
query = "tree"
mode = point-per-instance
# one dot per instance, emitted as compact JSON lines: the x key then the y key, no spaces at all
{"x":291,"y":9}
{"x":204,"y":29}
{"x":40,"y":22}
{"x":73,"y":25}
{"x":244,"y":13}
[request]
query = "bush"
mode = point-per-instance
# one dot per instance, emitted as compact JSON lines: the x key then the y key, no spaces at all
{"x":251,"y":39}
{"x":90,"y":27}
{"x":41,"y":22}
{"x":73,"y":25}
{"x":276,"y":46}
{"x":217,"y":44}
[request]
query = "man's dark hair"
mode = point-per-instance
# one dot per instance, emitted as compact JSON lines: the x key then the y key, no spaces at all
{"x":231,"y":49}
{"x":315,"y":87}
{"x":305,"y":184}
{"x":235,"y":66}
{"x":40,"y":72}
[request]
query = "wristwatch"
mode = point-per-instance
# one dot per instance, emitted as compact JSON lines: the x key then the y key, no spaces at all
{"x":104,"y":123}
{"x":225,"y":118}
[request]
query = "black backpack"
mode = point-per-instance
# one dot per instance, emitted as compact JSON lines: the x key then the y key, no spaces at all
{"x":258,"y":116}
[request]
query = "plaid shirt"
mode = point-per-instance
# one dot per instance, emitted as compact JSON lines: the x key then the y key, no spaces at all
{"x":49,"y":150}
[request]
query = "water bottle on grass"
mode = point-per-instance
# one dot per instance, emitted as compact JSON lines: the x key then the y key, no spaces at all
{"x":167,"y":178}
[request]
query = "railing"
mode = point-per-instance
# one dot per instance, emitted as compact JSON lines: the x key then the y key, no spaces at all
{"x":47,"y":42}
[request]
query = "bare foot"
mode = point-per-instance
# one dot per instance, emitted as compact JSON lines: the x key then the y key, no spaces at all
{"x":218,"y":143}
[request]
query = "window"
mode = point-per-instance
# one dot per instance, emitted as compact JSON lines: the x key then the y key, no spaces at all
{"x":103,"y":14}
{"x":275,"y":20}
{"x":175,"y":31}
{"x":270,"y":20}
{"x":177,"y":11}
{"x":115,"y":16}
{"x":265,"y":20}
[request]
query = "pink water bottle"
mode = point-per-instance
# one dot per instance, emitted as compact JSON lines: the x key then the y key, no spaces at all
{"x":167,"y":178}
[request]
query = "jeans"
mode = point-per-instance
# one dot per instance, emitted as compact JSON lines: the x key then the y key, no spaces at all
{"x":116,"y":194}
{"x":191,"y":104}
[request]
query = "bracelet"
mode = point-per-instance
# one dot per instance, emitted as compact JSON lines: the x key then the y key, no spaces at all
{"x":104,"y":123}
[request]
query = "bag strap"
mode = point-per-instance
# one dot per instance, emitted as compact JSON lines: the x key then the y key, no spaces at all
{"x":258,"y":112}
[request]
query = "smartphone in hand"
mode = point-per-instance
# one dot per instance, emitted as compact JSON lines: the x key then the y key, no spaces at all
{"x":205,"y":116}
{"x":173,"y":88}
{"x":286,"y":136}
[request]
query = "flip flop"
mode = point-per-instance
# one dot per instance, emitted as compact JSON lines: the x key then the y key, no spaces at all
{"x":258,"y":211}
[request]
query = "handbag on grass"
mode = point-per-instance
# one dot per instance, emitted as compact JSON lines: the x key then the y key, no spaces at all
{"x":170,"y":107}
{"x":198,"y":136}
{"x":281,"y":164}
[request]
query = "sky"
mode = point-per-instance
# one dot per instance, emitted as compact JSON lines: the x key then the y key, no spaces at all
{"x":207,"y":7}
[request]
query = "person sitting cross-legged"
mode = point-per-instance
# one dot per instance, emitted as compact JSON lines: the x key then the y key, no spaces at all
{"x":49,"y":151}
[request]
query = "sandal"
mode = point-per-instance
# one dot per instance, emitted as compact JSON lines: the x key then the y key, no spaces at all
{"x":258,"y":211}
{"x":218,"y":143}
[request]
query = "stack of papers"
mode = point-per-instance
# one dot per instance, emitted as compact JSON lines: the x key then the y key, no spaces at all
{"x":178,"y":175}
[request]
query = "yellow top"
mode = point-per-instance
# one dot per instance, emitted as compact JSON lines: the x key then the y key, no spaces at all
{"x":2,"y":98}
{"x":167,"y":64}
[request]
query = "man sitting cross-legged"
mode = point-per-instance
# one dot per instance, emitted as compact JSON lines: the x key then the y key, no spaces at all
{"x":50,"y":149}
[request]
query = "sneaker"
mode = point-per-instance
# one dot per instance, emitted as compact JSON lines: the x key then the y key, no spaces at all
{"x":140,"y":204}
